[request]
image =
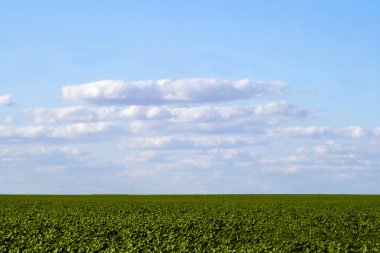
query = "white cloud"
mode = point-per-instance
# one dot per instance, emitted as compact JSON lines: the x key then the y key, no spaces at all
{"x":24,"y":131}
{"x":81,"y":129}
{"x":40,"y":155}
{"x":270,"y":113}
{"x":140,"y":157}
{"x":161,"y":119}
{"x":48,"y":150}
{"x":77,"y":130}
{"x":329,"y":156}
{"x":6,"y":99}
{"x":70,"y":150}
{"x":320,"y":132}
{"x":196,"y":90}
{"x":198,"y":142}
{"x":73,"y":114}
{"x":43,"y":150}
{"x":168,"y":134}
{"x":164,"y":160}
{"x":376,"y":131}
{"x":9,"y":120}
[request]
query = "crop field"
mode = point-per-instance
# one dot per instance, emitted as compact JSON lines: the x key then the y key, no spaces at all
{"x":190,"y":223}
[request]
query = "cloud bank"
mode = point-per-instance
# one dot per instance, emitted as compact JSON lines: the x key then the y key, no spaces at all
{"x":196,"y":90}
{"x":41,"y":132}
{"x":281,"y":109}
{"x":199,"y":135}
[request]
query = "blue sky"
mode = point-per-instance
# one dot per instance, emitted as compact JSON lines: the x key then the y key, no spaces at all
{"x":189,"y":96}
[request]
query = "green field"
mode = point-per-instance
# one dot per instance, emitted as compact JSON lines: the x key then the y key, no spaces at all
{"x":190,"y":223}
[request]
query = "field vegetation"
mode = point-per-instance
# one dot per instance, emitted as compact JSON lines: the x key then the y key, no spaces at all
{"x":190,"y":223}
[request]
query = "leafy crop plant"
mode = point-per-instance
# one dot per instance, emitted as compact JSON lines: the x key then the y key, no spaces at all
{"x":190,"y":223}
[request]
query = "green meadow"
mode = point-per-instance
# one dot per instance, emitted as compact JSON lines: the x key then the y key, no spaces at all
{"x":190,"y":223}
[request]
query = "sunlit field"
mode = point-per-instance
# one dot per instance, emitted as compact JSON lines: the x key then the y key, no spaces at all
{"x":190,"y":223}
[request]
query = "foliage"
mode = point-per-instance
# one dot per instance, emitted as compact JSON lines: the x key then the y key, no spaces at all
{"x":190,"y":223}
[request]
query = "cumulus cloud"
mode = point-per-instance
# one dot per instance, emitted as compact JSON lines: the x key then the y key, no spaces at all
{"x":270,"y":113}
{"x":85,"y":114}
{"x":157,"y":160}
{"x":77,"y":130}
{"x":327,"y":157}
{"x":171,"y":129}
{"x":41,"y":158}
{"x":341,"y":156}
{"x":220,"y":120}
{"x":48,"y":150}
{"x":82,"y":129}
{"x":196,"y":90}
{"x":320,"y":131}
{"x":197,"y":142}
{"x":6,"y":99}
{"x":160,"y":119}
{"x":330,"y":158}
